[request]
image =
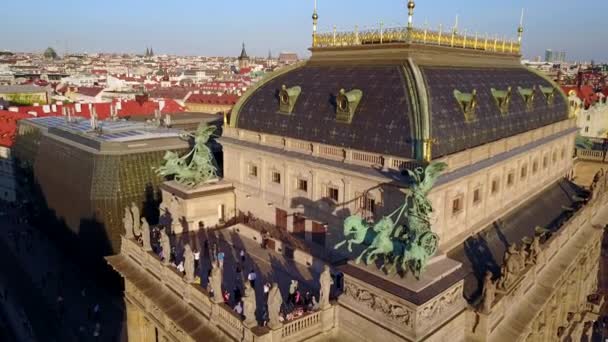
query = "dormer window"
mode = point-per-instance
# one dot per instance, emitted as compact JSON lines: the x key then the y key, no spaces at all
{"x":288,"y":98}
{"x":346,"y":105}
{"x":467,"y":103}
{"x":502,"y":99}
{"x":548,"y":93}
{"x":527,"y":94}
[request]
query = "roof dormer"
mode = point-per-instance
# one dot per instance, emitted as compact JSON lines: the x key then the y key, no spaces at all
{"x":527,"y":94}
{"x":502,"y":99}
{"x":346,"y":105}
{"x":288,"y":98}
{"x":467,"y":103}
{"x":548,"y":93}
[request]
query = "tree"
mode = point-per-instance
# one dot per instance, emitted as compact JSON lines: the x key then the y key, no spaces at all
{"x":50,"y":53}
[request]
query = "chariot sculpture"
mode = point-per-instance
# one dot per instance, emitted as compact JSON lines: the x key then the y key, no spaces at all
{"x":405,"y":247}
{"x":196,"y":167}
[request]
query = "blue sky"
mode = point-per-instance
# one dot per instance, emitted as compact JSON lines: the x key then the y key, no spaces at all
{"x":206,"y":27}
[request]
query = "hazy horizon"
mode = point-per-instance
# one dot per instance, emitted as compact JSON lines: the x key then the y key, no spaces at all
{"x":189,"y":28}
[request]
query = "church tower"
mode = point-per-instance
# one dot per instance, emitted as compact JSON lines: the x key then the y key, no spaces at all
{"x":243,"y":59}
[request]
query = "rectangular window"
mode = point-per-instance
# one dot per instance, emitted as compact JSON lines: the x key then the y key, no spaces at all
{"x":563,"y":153}
{"x":586,"y":129}
{"x":332,"y":193}
{"x":510,"y":179}
{"x":495,"y":186}
{"x":302,"y":185}
{"x":554,"y":157}
{"x":545,"y":162}
{"x":588,"y":117}
{"x":366,"y":204}
{"x":524,"y":171}
{"x":534,"y":167}
{"x":276,"y":177}
{"x":253,"y":170}
{"x":476,"y":196}
{"x":457,"y":205}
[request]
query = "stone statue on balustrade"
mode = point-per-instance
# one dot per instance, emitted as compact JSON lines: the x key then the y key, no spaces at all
{"x":165,"y":244}
{"x":325,"y":282}
{"x":511,"y":267}
{"x":216,"y":282}
{"x":188,"y":264}
{"x":145,"y":235}
{"x":275,"y":301}
{"x":488,"y":294}
{"x":127,"y":222}
{"x":249,"y":305}
{"x":136,"y":215}
{"x":534,"y":251}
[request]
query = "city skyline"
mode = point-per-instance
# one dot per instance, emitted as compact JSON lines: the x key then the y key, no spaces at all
{"x":219,"y":28}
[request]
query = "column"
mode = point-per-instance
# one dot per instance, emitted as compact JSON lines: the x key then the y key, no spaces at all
{"x":135,"y":324}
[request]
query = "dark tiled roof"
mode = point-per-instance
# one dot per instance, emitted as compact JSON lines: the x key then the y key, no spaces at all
{"x":381,"y":123}
{"x":485,"y":251}
{"x":448,"y":124}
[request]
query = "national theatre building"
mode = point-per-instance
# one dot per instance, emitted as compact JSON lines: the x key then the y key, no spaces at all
{"x":429,"y":170}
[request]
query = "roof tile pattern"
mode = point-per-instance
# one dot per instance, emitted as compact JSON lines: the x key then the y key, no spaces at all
{"x":381,"y":123}
{"x":448,"y":123}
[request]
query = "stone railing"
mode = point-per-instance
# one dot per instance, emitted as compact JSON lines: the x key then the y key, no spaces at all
{"x":347,"y":156}
{"x":593,"y":155}
{"x":304,"y":326}
{"x":220,"y":315}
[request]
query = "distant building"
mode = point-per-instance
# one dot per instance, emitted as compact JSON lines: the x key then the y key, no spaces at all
{"x":288,"y":57}
{"x":24,"y":95}
{"x":85,"y":94}
{"x":549,"y":56}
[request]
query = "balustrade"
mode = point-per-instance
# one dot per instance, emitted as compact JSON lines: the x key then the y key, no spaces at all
{"x":417,"y":36}
{"x":302,"y":323}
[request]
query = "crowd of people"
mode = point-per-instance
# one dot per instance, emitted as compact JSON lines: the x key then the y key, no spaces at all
{"x":299,"y":302}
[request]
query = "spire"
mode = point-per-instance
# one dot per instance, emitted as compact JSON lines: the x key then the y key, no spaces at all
{"x":243,"y":53}
{"x":520,"y":29}
{"x":269,"y":54}
{"x":455,"y":30}
{"x":315,"y":19}
{"x":410,"y":14}
{"x":147,"y":52}
{"x":151,"y":52}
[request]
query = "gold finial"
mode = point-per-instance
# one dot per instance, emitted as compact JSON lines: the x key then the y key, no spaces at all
{"x":410,"y":14}
{"x":315,"y":18}
{"x":334,"y":38}
{"x":520,"y":29}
